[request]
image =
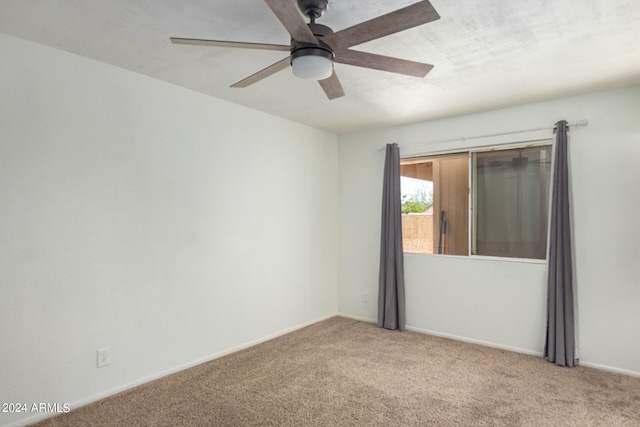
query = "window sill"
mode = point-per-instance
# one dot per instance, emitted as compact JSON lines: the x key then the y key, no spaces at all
{"x":480,"y":258}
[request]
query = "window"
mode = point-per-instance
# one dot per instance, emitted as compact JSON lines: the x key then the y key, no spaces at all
{"x":444,"y":227}
{"x":490,"y":203}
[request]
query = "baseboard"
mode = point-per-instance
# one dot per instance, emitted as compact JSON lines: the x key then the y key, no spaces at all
{"x":475,"y":341}
{"x":449,"y":336}
{"x":362,"y":319}
{"x":494,"y":345}
{"x":609,"y":368}
{"x":99,"y":396}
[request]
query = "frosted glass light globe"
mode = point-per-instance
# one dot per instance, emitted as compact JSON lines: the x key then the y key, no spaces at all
{"x":312,"y":67}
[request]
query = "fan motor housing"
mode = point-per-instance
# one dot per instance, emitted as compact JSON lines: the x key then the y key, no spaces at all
{"x":319,"y":31}
{"x":313,"y":51}
{"x":301,"y":48}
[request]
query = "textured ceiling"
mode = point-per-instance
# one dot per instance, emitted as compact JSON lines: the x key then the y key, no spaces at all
{"x":486,"y":53}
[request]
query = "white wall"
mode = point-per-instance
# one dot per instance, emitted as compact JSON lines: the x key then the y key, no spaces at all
{"x":172,"y":226}
{"x":163,"y":223}
{"x":503,"y":303}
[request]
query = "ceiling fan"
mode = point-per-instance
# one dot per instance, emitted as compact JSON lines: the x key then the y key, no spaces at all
{"x":315,"y":47}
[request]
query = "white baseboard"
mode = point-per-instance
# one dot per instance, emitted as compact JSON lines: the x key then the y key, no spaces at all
{"x":494,"y":345}
{"x":361,"y":319}
{"x":107,"y":393}
{"x":609,"y":368}
{"x":450,"y":336}
{"x":475,"y":341}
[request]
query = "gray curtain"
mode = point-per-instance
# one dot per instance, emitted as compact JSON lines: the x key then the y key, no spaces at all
{"x":391,"y":310}
{"x":560,"y":341}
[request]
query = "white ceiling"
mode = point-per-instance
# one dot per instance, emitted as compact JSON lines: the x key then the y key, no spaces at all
{"x":486,"y":53}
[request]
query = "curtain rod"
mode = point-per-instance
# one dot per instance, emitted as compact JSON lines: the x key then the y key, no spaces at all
{"x":583,"y":122}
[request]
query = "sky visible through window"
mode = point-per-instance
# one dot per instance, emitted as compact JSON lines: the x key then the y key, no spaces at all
{"x":410,"y":186}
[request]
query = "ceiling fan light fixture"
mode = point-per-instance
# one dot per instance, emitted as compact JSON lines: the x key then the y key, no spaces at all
{"x":313,"y":46}
{"x":312,"y":63}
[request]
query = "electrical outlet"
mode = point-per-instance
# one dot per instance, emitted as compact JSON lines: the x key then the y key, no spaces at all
{"x":104,"y":357}
{"x":365,"y":296}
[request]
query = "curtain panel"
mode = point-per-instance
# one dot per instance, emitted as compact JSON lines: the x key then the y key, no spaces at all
{"x":391,"y":299}
{"x":560,"y":339}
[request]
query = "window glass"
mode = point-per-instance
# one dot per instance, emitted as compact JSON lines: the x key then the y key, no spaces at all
{"x":441,"y":224}
{"x":511,"y":202}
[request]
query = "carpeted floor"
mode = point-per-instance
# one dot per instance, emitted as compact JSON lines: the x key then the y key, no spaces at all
{"x":342,"y":372}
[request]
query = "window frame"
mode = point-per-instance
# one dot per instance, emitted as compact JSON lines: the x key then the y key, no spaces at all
{"x":472,"y":199}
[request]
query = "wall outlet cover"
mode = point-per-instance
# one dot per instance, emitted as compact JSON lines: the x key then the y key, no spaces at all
{"x":104,"y":357}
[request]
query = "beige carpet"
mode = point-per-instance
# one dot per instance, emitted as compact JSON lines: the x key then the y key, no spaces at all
{"x":342,"y":372}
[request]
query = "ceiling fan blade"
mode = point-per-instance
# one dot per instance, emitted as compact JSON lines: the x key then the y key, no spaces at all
{"x":382,"y":63}
{"x":288,"y":13}
{"x":391,"y":23}
{"x":223,"y":43}
{"x":270,"y":70}
{"x":332,"y":86}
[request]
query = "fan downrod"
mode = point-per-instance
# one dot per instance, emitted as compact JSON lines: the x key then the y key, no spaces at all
{"x":314,"y":9}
